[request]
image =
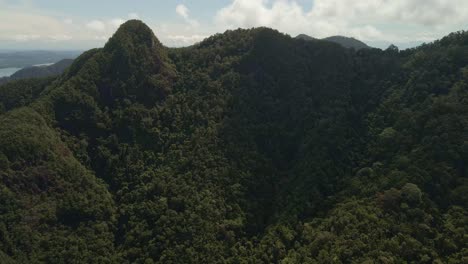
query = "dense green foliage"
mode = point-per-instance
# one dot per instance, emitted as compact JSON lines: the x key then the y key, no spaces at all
{"x":249,"y":147}
{"x":21,"y":93}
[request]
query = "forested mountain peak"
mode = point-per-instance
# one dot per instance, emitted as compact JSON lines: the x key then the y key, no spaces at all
{"x":133,"y":65}
{"x":133,"y":34}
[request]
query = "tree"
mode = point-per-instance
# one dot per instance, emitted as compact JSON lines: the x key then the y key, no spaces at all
{"x":411,"y":194}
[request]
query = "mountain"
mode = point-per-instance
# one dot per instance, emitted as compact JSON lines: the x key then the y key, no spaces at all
{"x":348,"y":42}
{"x":305,"y":37}
{"x":343,"y":41}
{"x":39,"y":71}
{"x":249,"y":147}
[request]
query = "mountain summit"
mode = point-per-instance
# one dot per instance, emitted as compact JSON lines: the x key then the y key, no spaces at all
{"x":139,"y":62}
{"x":135,"y":41}
{"x":133,"y":33}
{"x":133,"y":65}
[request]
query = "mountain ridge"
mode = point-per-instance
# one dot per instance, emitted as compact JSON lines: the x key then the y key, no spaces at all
{"x":347,"y":42}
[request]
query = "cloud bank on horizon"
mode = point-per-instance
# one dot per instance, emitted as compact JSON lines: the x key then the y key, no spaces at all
{"x":378,"y":22}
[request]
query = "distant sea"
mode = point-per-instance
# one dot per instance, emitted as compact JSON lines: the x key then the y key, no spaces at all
{"x":43,"y":64}
{"x":5,"y":72}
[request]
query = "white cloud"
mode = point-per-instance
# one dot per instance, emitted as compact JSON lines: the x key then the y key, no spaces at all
{"x":25,"y":37}
{"x":116,"y":22}
{"x":183,"y":40}
{"x":418,"y":12}
{"x":183,"y":11}
{"x":133,"y":16}
{"x":36,"y":28}
{"x":368,"y":20}
{"x":96,"y":25}
{"x":61,"y":37}
{"x":103,"y":37}
{"x":105,"y":26}
{"x":365,"y":19}
{"x":16,"y":22}
{"x":287,"y":16}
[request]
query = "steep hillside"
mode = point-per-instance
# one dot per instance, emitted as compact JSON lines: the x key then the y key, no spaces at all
{"x":249,"y":147}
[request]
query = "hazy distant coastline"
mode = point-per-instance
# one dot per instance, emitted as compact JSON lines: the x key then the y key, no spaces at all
{"x":28,"y":58}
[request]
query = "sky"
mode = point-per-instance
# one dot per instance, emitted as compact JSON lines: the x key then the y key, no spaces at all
{"x":85,"y":24}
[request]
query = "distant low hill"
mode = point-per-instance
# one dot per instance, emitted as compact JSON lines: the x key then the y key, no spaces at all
{"x":305,"y":37}
{"x":39,"y":71}
{"x":22,"y":59}
{"x":346,"y":42}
